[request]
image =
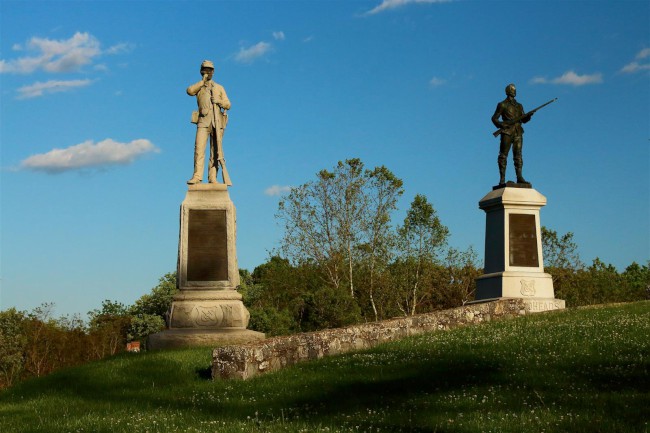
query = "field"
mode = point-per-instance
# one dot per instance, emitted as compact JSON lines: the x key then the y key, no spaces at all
{"x":579,"y":370}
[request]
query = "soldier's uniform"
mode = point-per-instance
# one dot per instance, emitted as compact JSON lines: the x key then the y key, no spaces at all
{"x":511,"y":135}
{"x":208,"y":93}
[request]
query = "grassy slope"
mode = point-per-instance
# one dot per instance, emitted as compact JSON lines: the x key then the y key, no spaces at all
{"x":580,"y":370}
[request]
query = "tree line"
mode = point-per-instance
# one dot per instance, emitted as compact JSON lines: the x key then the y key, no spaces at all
{"x":342,"y":260}
{"x":33,"y":344}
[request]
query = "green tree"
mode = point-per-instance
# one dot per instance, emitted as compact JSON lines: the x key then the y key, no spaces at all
{"x":560,"y":252}
{"x":637,"y":280}
{"x":322,"y":221}
{"x":420,"y":240}
{"x":382,"y":191}
{"x":158,"y":301}
{"x":108,"y":328}
{"x":12,"y":346}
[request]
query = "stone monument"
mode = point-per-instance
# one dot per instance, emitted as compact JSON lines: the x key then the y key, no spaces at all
{"x":207,"y":310}
{"x":514,"y":264}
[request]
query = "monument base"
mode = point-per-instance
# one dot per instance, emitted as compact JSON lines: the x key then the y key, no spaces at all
{"x":183,"y":338}
{"x":531,"y":305}
{"x":208,"y":309}
{"x":514,"y":284}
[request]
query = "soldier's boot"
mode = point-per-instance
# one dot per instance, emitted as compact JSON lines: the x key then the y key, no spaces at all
{"x":520,"y":178}
{"x":502,"y":175}
{"x":194,"y":180}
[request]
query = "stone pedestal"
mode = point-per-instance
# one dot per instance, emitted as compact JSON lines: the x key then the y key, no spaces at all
{"x":208,"y":309}
{"x":514,"y":266}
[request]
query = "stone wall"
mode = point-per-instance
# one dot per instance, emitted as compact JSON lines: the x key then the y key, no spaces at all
{"x":249,"y":360}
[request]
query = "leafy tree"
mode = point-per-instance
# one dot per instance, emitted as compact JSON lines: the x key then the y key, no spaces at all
{"x":637,"y":280}
{"x":457,"y":278}
{"x":322,"y":221}
{"x":143,"y":325}
{"x":560,"y":252}
{"x":382,"y":192}
{"x":108,"y":328}
{"x":12,"y":346}
{"x":420,"y":239}
{"x":158,"y":301}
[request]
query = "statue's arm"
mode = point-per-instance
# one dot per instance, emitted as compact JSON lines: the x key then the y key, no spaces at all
{"x":194,"y":88}
{"x":221,"y":98}
{"x":496,"y":115}
{"x":527,"y":116}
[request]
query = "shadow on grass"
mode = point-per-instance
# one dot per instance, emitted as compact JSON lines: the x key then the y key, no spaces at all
{"x":409,"y":389}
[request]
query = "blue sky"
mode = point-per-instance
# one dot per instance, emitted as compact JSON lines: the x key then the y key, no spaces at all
{"x":96,"y":140}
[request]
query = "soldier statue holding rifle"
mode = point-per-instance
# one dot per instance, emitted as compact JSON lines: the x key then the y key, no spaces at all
{"x":508,"y":117}
{"x":211,"y":120}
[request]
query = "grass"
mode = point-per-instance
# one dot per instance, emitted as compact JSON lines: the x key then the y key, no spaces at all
{"x":583,"y":370}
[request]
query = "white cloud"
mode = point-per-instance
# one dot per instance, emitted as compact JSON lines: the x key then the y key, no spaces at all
{"x":54,"y":55}
{"x":278,"y":36}
{"x":435,"y":82}
{"x":393,"y":4}
{"x":88,"y":155}
{"x":635,"y":66}
{"x":277,"y":190}
{"x":643,"y":53}
{"x":121,"y":48}
{"x":248,"y":55}
{"x":570,"y":78}
{"x":52,"y":86}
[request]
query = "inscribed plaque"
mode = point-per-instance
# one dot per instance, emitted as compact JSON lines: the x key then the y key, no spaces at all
{"x":207,"y":245}
{"x":523,"y":241}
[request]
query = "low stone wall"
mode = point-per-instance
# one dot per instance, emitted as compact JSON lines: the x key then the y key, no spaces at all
{"x":246,"y":361}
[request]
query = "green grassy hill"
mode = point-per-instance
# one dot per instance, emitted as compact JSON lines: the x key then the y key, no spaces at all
{"x":583,"y":370}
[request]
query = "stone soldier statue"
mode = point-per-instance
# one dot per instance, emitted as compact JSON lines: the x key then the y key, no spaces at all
{"x":210,"y":121}
{"x":512,"y":116}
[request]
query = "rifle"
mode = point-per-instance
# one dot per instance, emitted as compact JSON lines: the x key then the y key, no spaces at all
{"x":518,"y":119}
{"x":220,"y":126}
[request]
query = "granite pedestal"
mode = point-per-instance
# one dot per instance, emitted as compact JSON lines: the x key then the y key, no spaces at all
{"x":207,"y":310}
{"x":514,"y":266}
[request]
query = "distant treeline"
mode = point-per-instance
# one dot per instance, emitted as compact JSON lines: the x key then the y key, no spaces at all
{"x":341,"y":261}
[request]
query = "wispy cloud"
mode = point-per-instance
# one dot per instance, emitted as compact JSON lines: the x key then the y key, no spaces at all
{"x":278,"y":36}
{"x":52,"y":86}
{"x":88,"y":155}
{"x":571,"y":78}
{"x":250,"y":54}
{"x":635,"y":66}
{"x":394,"y":4}
{"x":277,"y":190}
{"x":435,"y":82}
{"x":123,"y":47}
{"x":65,"y":55}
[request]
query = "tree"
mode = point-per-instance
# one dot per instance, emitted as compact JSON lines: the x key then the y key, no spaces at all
{"x":637,"y":280}
{"x":382,"y":192}
{"x":420,"y":239}
{"x":108,"y":328}
{"x":560,"y":252}
{"x":457,"y":278}
{"x":12,"y":346}
{"x":158,"y":301}
{"x":340,"y":219}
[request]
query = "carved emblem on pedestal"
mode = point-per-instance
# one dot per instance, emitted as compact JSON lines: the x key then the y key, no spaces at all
{"x":528,"y":287}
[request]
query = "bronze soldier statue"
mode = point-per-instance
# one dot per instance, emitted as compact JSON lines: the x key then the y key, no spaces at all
{"x":512,"y":116}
